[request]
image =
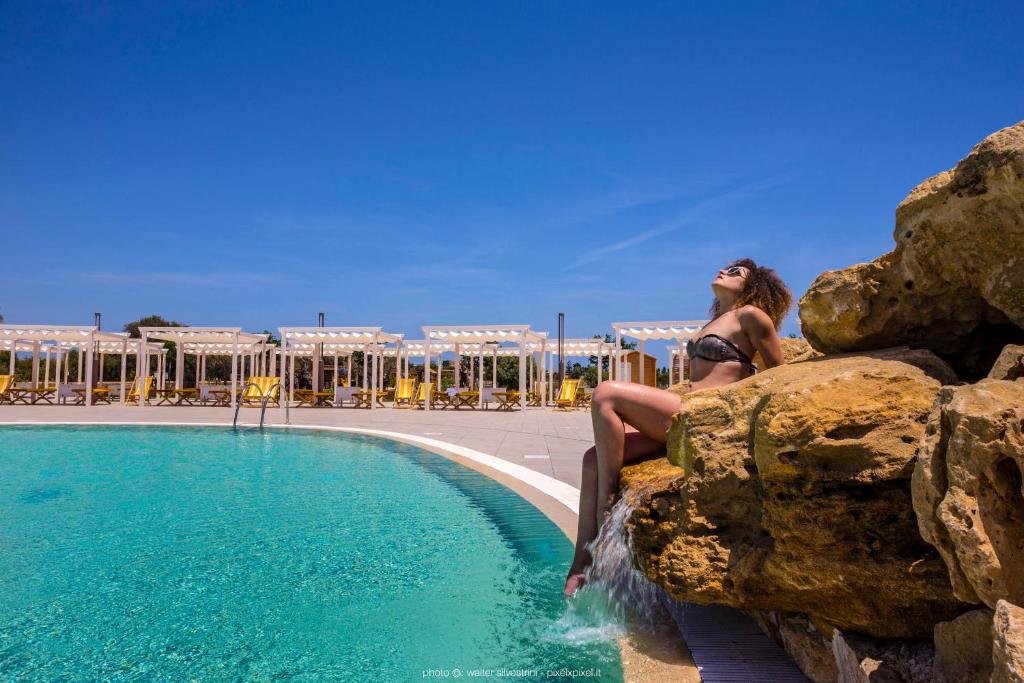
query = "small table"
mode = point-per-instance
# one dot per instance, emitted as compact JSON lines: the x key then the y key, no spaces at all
{"x":363,"y":399}
{"x":178,"y":397}
{"x":314,"y":399}
{"x":99,"y":395}
{"x":507,"y":400}
{"x":32,"y":395}
{"x":220,"y":397}
{"x":467,"y":399}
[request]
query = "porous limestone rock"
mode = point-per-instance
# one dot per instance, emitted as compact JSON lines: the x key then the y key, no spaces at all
{"x":954,"y":282}
{"x":968,"y":492}
{"x":963,"y":648}
{"x":1008,"y":644}
{"x":1010,"y":363}
{"x":863,"y":660}
{"x":794,"y":496}
{"x":810,"y":650}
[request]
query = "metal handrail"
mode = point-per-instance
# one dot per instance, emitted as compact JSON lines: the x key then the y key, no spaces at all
{"x":263,"y":405}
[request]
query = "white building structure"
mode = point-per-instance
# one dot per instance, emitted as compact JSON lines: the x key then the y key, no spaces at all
{"x":678,"y":331}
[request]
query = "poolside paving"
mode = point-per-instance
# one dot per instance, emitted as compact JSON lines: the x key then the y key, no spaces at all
{"x":548,"y":441}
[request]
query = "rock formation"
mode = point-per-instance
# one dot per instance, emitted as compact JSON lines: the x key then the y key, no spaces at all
{"x":955,"y":281}
{"x":968,"y":489}
{"x":1009,"y":364}
{"x":1008,"y":644}
{"x":794,"y":495}
{"x":866,"y":506}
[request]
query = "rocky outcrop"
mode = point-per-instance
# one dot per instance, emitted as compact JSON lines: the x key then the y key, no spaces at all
{"x":794,"y":496}
{"x":863,"y":660}
{"x":954,"y":282}
{"x":1010,"y":363}
{"x":1008,"y":644}
{"x":967,"y":489}
{"x":963,"y":648}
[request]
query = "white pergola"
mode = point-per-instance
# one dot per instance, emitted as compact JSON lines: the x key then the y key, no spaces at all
{"x":678,"y":331}
{"x":481,"y":338}
{"x":202,"y":342}
{"x":586,"y":348}
{"x":86,"y":339}
{"x":313,"y":341}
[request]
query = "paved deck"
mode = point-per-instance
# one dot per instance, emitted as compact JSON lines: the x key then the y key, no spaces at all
{"x":548,"y":441}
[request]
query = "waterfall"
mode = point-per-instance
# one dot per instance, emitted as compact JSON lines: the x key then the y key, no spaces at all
{"x":630,"y":595}
{"x":616,"y":596}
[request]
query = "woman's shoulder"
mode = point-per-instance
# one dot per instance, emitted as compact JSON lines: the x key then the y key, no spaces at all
{"x":752,"y":315}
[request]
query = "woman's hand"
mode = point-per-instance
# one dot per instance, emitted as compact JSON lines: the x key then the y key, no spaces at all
{"x":760,"y":330}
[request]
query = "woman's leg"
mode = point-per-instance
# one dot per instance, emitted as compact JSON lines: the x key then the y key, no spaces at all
{"x":652,"y":410}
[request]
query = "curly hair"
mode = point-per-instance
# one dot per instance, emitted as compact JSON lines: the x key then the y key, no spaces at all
{"x":763,"y":288}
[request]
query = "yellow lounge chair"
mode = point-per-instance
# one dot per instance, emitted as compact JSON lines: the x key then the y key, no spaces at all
{"x":437,"y":398}
{"x":568,"y":394}
{"x":259,"y":388}
{"x":133,"y":393}
{"x":404,"y":392}
{"x":6,"y":384}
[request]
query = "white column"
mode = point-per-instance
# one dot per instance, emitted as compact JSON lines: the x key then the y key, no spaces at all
{"x":142,"y":368}
{"x":46,"y":368}
{"x":600,"y":362}
{"x":316,"y":366}
{"x":179,"y":366}
{"x":13,"y":358}
{"x":88,"y":372}
{"x":234,"y":369}
{"x":81,"y":355}
{"x":348,"y":368}
{"x":35,"y":364}
{"x":641,"y":361}
{"x":480,"y":384}
{"x":494,"y":368}
{"x":618,"y":355}
{"x":544,"y":382}
{"x":426,"y":370}
{"x":335,"y":386}
{"x":58,"y":357}
{"x":366,"y":363}
{"x":522,"y":374}
{"x":124,"y":371}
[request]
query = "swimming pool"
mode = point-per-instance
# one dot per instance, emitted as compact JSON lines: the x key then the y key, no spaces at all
{"x":172,"y":553}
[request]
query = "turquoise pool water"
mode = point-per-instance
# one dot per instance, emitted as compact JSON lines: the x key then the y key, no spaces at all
{"x":165,"y":553}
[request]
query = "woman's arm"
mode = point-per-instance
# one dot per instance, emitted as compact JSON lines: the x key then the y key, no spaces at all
{"x":759,"y":328}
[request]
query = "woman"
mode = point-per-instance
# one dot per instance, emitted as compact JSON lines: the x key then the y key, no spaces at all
{"x":631,"y":420}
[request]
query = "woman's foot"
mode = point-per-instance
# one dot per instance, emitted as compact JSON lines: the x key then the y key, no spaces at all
{"x":574,"y":582}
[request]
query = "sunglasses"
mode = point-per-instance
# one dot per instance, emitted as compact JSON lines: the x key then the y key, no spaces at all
{"x":735,"y":271}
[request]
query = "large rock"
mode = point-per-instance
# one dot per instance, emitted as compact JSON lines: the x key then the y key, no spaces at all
{"x":1009,"y":364}
{"x":863,"y":660}
{"x":1008,"y":644}
{"x":955,"y":281}
{"x":794,"y":496}
{"x":968,"y":489}
{"x":963,"y":648}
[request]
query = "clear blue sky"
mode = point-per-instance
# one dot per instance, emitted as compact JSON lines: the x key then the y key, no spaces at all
{"x":451,"y":163}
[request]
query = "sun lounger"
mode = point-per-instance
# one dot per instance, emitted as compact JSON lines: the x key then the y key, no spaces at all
{"x":314,"y":399}
{"x":259,"y":388}
{"x":465,"y":399}
{"x":438,"y":399}
{"x":568,"y":394}
{"x":6,"y":384}
{"x":133,"y":393}
{"x":404,"y":392}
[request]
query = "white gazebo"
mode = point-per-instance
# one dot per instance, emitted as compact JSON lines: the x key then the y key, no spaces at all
{"x":202,"y":342}
{"x":314,"y":341}
{"x":86,"y":339}
{"x":678,"y":331}
{"x":480,"y":338}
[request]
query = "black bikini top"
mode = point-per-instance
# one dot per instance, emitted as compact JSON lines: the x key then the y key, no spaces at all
{"x":717,"y":349}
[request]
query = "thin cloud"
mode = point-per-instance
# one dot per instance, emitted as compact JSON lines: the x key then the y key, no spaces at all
{"x":686,"y":217}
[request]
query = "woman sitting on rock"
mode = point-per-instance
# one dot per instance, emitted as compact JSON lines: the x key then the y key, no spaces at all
{"x":631,"y":421}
